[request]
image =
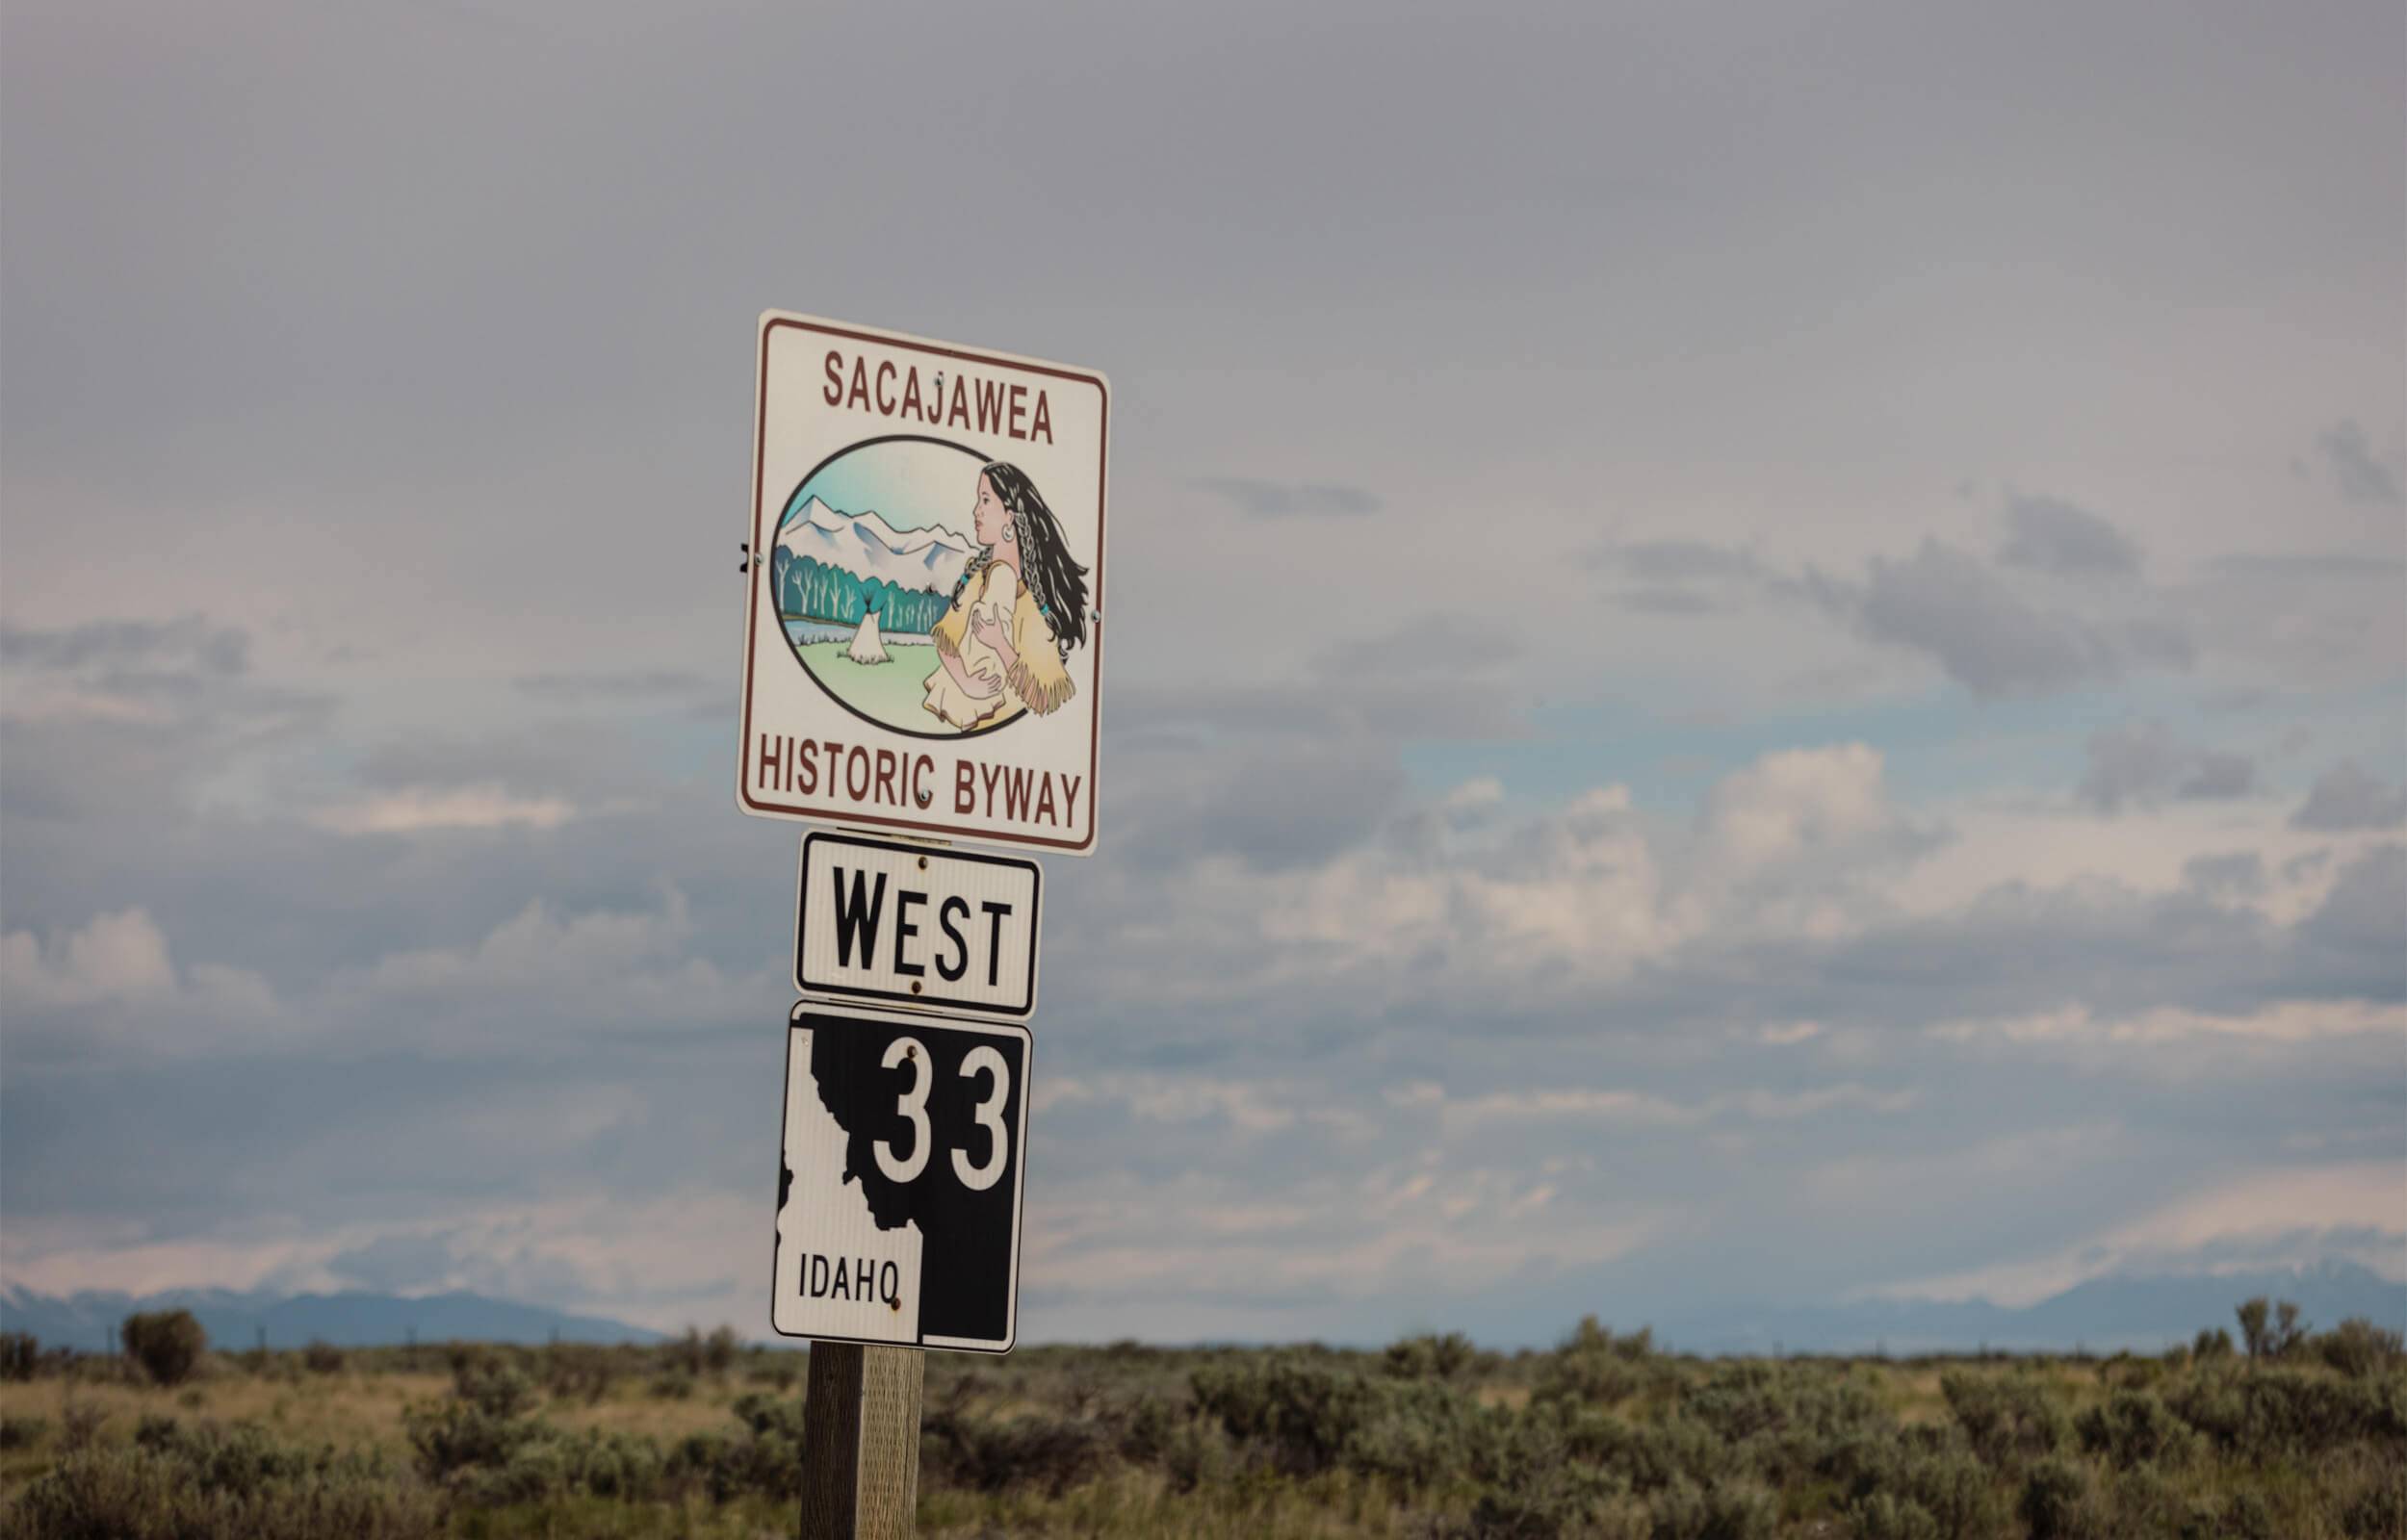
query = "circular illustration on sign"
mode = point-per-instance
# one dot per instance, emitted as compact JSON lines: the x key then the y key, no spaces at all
{"x":906,"y":621}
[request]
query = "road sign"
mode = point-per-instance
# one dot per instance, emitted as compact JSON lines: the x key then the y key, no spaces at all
{"x":898,"y":1201}
{"x":878,"y":920}
{"x":923,"y":628}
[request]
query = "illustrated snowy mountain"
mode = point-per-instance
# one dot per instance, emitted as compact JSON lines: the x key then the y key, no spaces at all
{"x":869,"y":548}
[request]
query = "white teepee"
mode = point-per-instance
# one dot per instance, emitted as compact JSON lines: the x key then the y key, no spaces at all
{"x":868,"y":645}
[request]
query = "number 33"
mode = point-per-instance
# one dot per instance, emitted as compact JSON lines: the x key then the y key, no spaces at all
{"x":913,"y":1105}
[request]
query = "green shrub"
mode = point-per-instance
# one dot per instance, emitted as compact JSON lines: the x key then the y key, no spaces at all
{"x":2276,"y":1332}
{"x":1883,"y":1517}
{"x":19,"y":1355}
{"x":165,"y":1343}
{"x":579,"y":1371}
{"x":2007,"y":1418}
{"x":2361,"y":1349}
{"x":1196,"y":1455}
{"x":546,"y":1465}
{"x":1431,"y":1357}
{"x":208,"y":1483}
{"x":1595,"y":1367}
{"x":321,"y":1357}
{"x":2134,"y":1428}
{"x":2380,"y":1512}
{"x":79,"y":1425}
{"x":22,"y":1433}
{"x":483,"y":1425}
{"x":1305,"y":1418}
{"x":2056,"y":1502}
{"x":2213,"y":1342}
{"x":1542,"y":1504}
{"x":453,"y":1436}
{"x":493,"y":1386}
{"x":1730,"y":1509}
{"x":2247,"y":1516}
{"x":1302,"y":1414}
{"x":781,"y":1370}
{"x":1956,"y":1489}
{"x":1650,"y":1456}
{"x":2273,"y":1413}
{"x":1052,"y":1453}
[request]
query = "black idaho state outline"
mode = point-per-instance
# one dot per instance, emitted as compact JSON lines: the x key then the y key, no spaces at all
{"x":966,"y":1236}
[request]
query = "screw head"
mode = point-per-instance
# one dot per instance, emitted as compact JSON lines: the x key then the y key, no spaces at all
{"x":923,"y":864}
{"x":915,"y":989}
{"x":924,"y":797}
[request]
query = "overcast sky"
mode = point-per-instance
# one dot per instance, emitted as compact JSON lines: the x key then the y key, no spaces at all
{"x":1756,"y":657}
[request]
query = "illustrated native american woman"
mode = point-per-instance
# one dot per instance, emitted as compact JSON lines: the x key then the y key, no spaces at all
{"x":1018,"y":610}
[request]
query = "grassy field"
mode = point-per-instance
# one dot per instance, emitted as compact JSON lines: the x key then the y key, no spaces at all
{"x":1429,"y":1439}
{"x":889,"y":692}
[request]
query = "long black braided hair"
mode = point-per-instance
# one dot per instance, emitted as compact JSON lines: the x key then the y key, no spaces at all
{"x":1057,"y":584}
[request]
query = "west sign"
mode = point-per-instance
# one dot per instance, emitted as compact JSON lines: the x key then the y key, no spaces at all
{"x":923,"y":629}
{"x":878,"y":920}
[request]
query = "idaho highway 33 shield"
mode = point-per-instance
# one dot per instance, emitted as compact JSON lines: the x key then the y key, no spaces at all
{"x":905,"y":1158}
{"x":924,"y":627}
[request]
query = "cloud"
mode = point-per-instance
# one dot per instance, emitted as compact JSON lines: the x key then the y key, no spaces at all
{"x":536,"y":948}
{"x":191,"y":642}
{"x":112,"y":981}
{"x":1795,"y":801}
{"x":1684,"y":576}
{"x":190,"y":674}
{"x":1949,"y":604}
{"x":2050,"y":535}
{"x":2297,"y":620}
{"x":2141,"y":762}
{"x":2364,"y":917}
{"x":2291,"y":1208}
{"x":2347,"y":798}
{"x":2355,"y":471}
{"x":1679,"y":561}
{"x":417,"y":810}
{"x":663,"y":1260}
{"x":1418,"y":648}
{"x":1291,"y":500}
{"x":2237,"y":874}
{"x":116,"y":957}
{"x":624,"y":685}
{"x":1614,"y":1108}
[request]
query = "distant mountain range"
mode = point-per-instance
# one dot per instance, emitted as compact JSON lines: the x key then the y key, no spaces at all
{"x":872,"y":550}
{"x":2142,"y":1314}
{"x":88,"y":1320}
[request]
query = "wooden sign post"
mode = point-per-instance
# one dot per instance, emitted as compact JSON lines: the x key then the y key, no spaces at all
{"x":861,"y":1443}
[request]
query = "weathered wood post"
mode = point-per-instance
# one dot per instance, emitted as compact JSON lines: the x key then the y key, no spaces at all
{"x":861,"y":1443}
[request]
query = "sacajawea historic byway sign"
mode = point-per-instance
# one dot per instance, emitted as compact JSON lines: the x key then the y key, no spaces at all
{"x":923,"y":631}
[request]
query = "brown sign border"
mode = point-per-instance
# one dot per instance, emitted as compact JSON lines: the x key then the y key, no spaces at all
{"x":769,"y":323}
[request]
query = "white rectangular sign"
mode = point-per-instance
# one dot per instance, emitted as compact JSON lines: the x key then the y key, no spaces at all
{"x":879,"y":920}
{"x":923,"y":631}
{"x":902,"y":1170}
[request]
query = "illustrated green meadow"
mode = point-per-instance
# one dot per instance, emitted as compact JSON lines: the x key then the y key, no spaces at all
{"x":2287,"y":1434}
